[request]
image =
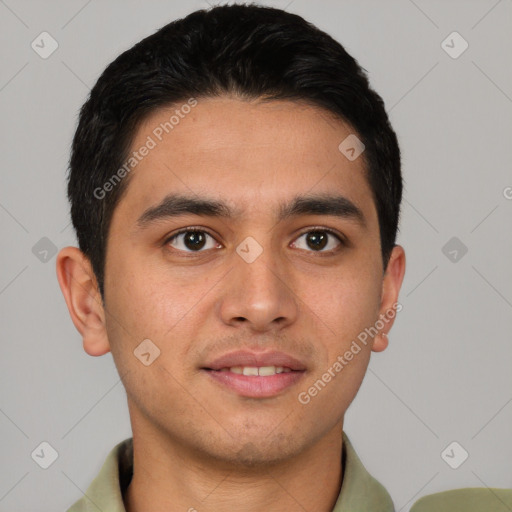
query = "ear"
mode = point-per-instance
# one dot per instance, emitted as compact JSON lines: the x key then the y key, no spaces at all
{"x":80,"y":289}
{"x":389,"y":305}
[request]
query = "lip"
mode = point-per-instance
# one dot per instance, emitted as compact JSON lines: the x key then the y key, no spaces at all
{"x":248,"y":358}
{"x":255,"y":386}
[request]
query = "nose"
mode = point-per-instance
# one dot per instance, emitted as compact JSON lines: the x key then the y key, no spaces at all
{"x":259,"y":294}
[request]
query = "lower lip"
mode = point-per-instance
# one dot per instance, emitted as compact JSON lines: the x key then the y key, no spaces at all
{"x":254,"y":386}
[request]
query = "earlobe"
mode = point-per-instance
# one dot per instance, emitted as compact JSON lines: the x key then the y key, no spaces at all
{"x":380,"y":342}
{"x":389,"y":306}
{"x":79,"y":287}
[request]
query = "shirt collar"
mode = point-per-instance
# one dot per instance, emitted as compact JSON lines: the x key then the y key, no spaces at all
{"x":359,"y":490}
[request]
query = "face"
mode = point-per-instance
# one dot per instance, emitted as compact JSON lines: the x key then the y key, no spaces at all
{"x":258,"y":276}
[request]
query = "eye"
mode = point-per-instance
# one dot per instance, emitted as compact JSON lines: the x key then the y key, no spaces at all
{"x":191,"y":240}
{"x":318,"y":239}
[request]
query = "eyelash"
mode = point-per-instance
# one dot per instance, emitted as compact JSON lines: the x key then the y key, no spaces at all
{"x":199,"y":229}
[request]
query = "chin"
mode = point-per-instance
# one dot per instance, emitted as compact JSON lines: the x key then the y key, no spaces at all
{"x":251,"y":451}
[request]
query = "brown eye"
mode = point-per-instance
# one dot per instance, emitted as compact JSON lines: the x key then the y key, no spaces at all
{"x":319,"y":239}
{"x":316,"y":240}
{"x":191,"y":241}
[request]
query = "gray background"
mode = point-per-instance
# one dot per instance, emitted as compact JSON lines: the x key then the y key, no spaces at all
{"x":446,"y":375}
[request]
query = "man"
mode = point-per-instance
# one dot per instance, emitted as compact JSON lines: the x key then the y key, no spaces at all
{"x":235,"y":187}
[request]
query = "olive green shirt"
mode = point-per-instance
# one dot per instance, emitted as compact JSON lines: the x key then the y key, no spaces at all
{"x":360,"y":492}
{"x":478,"y":499}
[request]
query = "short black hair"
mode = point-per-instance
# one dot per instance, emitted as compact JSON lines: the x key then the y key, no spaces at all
{"x":244,"y":50}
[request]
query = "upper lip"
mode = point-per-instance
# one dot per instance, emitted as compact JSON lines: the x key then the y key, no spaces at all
{"x":248,"y":358}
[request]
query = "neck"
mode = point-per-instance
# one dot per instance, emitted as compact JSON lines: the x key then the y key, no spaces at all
{"x":168,"y":477}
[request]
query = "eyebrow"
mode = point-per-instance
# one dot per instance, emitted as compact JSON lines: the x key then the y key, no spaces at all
{"x":174,"y":205}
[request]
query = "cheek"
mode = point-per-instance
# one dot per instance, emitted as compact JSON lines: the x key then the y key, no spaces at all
{"x":148,"y":301}
{"x":347,"y":303}
{"x":143,"y":295}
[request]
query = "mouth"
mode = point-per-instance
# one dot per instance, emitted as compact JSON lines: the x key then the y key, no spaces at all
{"x":255,"y":375}
{"x":254,"y":371}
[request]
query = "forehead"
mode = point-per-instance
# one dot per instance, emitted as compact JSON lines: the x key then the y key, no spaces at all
{"x":248,"y":153}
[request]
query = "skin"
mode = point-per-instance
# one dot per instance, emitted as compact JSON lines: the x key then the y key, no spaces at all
{"x":197,"y":444}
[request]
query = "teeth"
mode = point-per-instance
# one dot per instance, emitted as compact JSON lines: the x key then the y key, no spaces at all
{"x":267,"y":370}
{"x":261,"y":371}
